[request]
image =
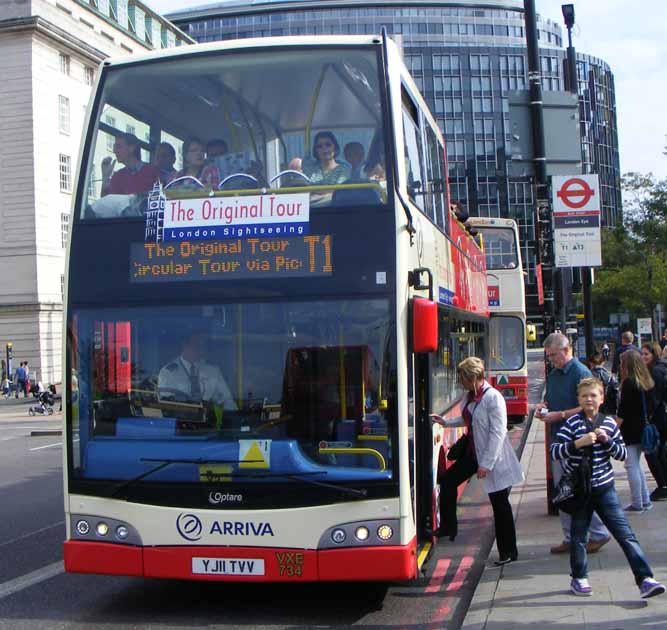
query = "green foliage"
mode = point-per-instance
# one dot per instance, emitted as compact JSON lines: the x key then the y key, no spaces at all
{"x":634,"y":254}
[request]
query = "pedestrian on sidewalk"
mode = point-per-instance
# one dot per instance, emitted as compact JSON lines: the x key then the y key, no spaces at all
{"x":626,"y":344}
{"x":652,"y":356}
{"x":605,"y":351}
{"x":596,"y":365}
{"x":488,"y":453}
{"x":20,"y":380}
{"x":561,"y":403}
{"x":634,"y":412}
{"x":589,"y":428}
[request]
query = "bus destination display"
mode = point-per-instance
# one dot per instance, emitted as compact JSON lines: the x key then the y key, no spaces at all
{"x":193,"y":261}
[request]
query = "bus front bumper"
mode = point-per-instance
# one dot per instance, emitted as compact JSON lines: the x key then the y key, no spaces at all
{"x":244,"y":564}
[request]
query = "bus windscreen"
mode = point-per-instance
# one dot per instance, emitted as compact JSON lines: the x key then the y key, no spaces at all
{"x":287,"y":387}
{"x":211,"y":128}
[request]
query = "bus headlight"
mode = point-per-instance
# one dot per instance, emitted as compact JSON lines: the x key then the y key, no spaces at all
{"x":385,"y":532}
{"x":122,"y":532}
{"x":361,"y":533}
{"x":102,"y":529}
{"x":338,"y":536}
{"x":82,"y":527}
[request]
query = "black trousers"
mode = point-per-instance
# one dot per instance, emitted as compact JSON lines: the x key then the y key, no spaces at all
{"x":461,"y":470}
{"x":657,"y":465}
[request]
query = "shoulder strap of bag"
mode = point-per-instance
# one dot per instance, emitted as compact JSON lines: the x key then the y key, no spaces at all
{"x":645,"y":416}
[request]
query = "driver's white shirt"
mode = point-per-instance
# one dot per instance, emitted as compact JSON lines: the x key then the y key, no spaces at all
{"x":175,"y":375}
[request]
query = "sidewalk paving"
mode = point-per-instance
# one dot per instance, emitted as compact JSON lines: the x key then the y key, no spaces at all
{"x":535,"y":590}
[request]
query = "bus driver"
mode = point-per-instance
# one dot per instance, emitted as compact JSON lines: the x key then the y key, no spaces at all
{"x":189,"y":378}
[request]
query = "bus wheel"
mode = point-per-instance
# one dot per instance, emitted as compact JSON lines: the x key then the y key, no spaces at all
{"x":512,"y":420}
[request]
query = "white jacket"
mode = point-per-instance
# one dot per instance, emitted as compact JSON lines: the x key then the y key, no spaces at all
{"x":492,"y":445}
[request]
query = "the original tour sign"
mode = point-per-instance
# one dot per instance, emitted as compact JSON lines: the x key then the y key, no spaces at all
{"x":576,"y":204}
{"x":211,"y":238}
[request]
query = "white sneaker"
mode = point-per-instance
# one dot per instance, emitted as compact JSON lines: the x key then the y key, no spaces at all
{"x":650,"y":587}
{"x":582,"y":588}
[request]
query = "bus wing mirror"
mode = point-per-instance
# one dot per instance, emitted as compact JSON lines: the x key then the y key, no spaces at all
{"x":424,"y":326}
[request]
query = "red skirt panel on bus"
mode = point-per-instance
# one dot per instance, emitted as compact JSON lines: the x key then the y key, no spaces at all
{"x":515,"y":393}
{"x":265,"y":564}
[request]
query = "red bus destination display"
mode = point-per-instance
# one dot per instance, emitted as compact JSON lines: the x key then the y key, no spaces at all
{"x":189,"y":261}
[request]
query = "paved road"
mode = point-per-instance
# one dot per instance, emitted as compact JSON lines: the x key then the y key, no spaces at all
{"x":36,"y":594}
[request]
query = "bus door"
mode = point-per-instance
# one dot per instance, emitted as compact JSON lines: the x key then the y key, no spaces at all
{"x":424,"y":494}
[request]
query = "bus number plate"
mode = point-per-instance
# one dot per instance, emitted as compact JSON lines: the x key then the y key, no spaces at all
{"x":227,"y":566}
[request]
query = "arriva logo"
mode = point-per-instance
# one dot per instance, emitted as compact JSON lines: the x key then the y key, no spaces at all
{"x":189,"y":527}
{"x":224,"y":497}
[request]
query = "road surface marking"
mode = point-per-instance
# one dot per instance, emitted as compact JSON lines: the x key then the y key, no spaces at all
{"x":438,"y":576}
{"x":37,"y":448}
{"x":30,"y":579}
{"x":461,"y":572}
{"x":37,"y":531}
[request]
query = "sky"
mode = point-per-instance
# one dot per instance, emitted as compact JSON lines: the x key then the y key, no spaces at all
{"x":633,"y":43}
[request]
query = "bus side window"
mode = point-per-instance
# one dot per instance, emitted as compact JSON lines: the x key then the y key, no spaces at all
{"x":413,"y":152}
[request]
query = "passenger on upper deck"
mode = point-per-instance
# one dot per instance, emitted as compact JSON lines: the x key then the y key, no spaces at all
{"x":165,"y":156}
{"x":325,"y":170}
{"x":354,"y":154}
{"x":194,"y":164}
{"x":135,"y":177}
{"x":215,"y":148}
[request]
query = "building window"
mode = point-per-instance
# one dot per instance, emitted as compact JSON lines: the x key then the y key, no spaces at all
{"x":88,"y":75}
{"x":65,"y":173}
{"x":111,"y":121}
{"x":64,"y":63}
{"x":64,"y":228}
{"x":63,"y":114}
{"x":62,"y":286}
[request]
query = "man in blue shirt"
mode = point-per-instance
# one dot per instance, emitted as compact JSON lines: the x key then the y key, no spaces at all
{"x":561,"y":403}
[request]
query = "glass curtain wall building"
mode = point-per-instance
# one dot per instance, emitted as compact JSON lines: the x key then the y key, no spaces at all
{"x":465,"y":56}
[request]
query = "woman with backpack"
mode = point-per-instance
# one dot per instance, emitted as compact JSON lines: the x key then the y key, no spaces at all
{"x":634,"y":411}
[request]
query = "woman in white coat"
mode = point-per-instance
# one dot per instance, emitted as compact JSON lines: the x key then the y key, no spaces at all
{"x":488,"y":454}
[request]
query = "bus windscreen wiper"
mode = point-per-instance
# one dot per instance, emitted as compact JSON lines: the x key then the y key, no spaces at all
{"x":294,"y":477}
{"x":304,"y":476}
{"x":168,"y":462}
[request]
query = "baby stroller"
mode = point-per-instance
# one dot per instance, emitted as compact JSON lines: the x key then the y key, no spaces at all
{"x":44,"y":404}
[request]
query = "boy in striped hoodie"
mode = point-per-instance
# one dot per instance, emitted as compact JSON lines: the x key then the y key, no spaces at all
{"x":591,"y":428}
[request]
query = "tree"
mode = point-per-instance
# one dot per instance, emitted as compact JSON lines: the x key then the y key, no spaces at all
{"x":634,"y":276}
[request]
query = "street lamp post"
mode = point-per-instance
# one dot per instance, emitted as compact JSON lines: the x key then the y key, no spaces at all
{"x":573,"y":86}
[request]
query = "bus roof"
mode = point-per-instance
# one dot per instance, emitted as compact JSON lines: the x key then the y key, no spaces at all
{"x":249,"y":43}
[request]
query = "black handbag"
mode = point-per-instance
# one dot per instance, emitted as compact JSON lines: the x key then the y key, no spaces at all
{"x":574,"y":487}
{"x":458,"y":449}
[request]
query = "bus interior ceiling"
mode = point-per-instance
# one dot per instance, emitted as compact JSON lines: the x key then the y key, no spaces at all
{"x":236,"y":99}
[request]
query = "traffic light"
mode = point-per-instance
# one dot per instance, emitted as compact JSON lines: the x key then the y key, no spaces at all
{"x":8,"y":350}
{"x":545,"y":233}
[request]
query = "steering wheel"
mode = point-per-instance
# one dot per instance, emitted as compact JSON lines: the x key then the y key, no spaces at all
{"x":290,"y":171}
{"x":246,"y":175}
{"x":173,"y":394}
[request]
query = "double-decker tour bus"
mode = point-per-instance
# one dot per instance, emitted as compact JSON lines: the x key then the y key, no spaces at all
{"x":507,"y":354}
{"x":256,"y":334}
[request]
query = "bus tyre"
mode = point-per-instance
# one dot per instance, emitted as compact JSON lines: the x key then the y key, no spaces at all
{"x":512,"y":420}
